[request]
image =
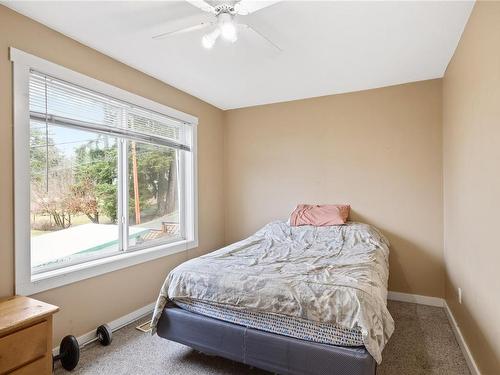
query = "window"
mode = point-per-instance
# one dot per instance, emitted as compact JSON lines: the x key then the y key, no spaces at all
{"x":104,"y":179}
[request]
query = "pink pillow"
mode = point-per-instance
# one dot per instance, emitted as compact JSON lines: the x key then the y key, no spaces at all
{"x":320,"y":215}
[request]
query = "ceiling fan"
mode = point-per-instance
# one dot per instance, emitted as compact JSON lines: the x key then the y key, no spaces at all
{"x":225,"y":25}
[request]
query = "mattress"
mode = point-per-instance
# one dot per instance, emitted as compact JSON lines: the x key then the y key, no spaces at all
{"x":288,"y":326}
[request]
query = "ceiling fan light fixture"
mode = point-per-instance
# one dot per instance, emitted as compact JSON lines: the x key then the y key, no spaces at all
{"x":227,"y":27}
{"x":228,"y":31}
{"x":208,"y":40}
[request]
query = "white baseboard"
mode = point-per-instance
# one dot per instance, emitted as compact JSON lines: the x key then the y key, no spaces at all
{"x":416,"y":298}
{"x":88,"y":337}
{"x":473,"y":368}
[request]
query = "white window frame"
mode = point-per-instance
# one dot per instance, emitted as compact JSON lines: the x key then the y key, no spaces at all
{"x":25,"y":282}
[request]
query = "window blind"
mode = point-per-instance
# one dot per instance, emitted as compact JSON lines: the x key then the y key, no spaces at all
{"x":60,"y":103}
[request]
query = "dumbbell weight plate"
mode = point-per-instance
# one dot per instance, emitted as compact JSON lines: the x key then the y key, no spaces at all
{"x":69,"y":352}
{"x":104,"y":335}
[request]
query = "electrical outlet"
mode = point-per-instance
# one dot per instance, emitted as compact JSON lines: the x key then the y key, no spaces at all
{"x":460,"y":295}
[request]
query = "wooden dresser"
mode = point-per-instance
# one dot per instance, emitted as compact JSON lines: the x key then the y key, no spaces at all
{"x":25,"y":336}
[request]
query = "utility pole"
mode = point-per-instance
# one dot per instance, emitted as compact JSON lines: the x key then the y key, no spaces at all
{"x":136,"y":185}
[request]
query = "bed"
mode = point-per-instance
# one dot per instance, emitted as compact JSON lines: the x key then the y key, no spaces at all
{"x":291,"y":300}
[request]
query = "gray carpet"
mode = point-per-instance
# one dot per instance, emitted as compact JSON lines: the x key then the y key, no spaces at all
{"x":423,"y":343}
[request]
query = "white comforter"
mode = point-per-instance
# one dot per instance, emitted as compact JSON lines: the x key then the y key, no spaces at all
{"x":334,"y":274}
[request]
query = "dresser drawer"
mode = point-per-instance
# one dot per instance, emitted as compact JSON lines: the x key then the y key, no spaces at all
{"x":39,"y":367}
{"x":23,"y":346}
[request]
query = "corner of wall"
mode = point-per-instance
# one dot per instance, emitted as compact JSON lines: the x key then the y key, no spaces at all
{"x":224,"y":164}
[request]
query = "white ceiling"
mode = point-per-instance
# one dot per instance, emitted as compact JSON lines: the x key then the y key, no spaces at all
{"x":328,"y":47}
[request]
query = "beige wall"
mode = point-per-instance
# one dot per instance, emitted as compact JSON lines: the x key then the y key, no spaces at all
{"x":471,"y":117}
{"x":378,"y":150}
{"x":88,"y":303}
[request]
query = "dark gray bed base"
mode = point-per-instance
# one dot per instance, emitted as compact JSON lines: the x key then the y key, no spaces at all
{"x":268,"y":351}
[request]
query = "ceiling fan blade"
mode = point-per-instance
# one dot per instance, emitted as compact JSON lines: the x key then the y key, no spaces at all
{"x":269,"y":41}
{"x":245,"y":7}
{"x":203,"y":5}
{"x":183,"y":30}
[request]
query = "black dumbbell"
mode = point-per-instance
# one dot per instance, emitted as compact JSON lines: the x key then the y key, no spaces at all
{"x":104,"y":335}
{"x":69,"y":353}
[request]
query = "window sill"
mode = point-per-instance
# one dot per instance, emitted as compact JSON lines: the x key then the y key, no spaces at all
{"x":67,"y":275}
